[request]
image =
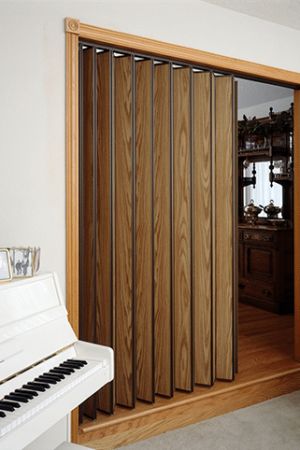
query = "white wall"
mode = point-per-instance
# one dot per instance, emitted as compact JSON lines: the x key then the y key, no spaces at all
{"x":32,"y":94}
{"x":252,"y":93}
{"x":262,"y":109}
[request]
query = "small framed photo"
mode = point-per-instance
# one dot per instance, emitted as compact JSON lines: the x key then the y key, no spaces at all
{"x":25,"y":261}
{"x":5,"y":266}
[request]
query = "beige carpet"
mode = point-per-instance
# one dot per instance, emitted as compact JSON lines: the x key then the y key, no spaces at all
{"x":272,"y":425}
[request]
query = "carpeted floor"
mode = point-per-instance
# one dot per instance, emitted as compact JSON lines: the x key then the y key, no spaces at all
{"x":272,"y":425}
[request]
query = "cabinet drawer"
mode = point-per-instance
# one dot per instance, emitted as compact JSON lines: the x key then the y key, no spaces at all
{"x":258,"y":236}
{"x":259,"y":263}
{"x":258,"y":290}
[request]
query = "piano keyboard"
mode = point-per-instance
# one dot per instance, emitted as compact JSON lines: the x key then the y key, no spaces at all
{"x":30,"y":398}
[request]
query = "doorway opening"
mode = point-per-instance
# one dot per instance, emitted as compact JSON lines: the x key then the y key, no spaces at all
{"x":265,"y":226}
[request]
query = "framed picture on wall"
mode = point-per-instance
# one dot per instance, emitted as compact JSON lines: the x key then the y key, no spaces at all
{"x":5,"y":266}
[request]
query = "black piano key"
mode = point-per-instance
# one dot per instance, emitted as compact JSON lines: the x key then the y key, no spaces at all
{"x":57,"y":373}
{"x":26,"y":393}
{"x":71,"y":365}
{"x":5,"y":407}
{"x":81,"y":361}
{"x":53,"y":376}
{"x":23,"y":397}
{"x":45,"y":379}
{"x":2,"y":414}
{"x":67,"y":371}
{"x":70,"y":369}
{"x":13,"y":403}
{"x":16,"y":398}
{"x":40,"y":384}
{"x":61,"y":370}
{"x":34,"y":386}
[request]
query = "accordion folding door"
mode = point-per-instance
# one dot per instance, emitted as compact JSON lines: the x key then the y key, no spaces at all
{"x":157,"y":223}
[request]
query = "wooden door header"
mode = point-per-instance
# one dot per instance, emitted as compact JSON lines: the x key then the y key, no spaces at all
{"x":180,"y":53}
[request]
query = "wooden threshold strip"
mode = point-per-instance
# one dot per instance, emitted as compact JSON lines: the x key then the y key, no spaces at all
{"x":169,"y":414}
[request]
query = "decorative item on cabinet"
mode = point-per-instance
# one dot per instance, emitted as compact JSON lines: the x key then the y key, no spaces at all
{"x":252,"y":212}
{"x":25,"y":261}
{"x":5,"y":266}
{"x":272,"y":211}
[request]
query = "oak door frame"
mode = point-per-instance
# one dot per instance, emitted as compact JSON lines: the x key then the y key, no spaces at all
{"x":76,"y":31}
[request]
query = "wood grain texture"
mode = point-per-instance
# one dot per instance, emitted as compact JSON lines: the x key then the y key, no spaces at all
{"x":124,"y":346}
{"x":224,"y":227}
{"x":104,"y":294}
{"x":202,"y":186}
{"x":213,"y":218}
{"x":267,"y":369}
{"x":87,"y":305}
{"x":182,"y":231}
{"x":144,"y":233}
{"x":72,"y":195}
{"x":72,"y":25}
{"x":164,"y":379}
{"x":185,"y":54}
{"x":297,"y":222}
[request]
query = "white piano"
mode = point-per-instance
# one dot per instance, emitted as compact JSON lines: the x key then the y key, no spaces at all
{"x":45,"y":371}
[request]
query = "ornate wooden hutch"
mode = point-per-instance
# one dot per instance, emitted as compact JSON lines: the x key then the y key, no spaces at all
{"x":266,"y":243}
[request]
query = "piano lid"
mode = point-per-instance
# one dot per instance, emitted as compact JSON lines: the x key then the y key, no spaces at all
{"x":33,"y":322}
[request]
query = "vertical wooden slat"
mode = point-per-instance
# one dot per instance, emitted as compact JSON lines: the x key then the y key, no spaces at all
{"x":202,"y":187}
{"x":224,"y":227}
{"x":87,"y":212}
{"x":162,"y":231}
{"x":124,"y":345}
{"x":104,"y":294}
{"x":144,"y":233}
{"x":182,"y":231}
{"x":213,"y":219}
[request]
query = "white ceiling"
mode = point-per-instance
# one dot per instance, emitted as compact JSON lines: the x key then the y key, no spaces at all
{"x":283,"y":12}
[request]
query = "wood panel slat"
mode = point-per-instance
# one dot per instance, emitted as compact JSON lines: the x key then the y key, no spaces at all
{"x":124,"y":345}
{"x":225,"y":135}
{"x":104,"y":294}
{"x":144,"y":232}
{"x":182,"y":231}
{"x":87,"y":305}
{"x":164,"y":379}
{"x":202,"y":187}
{"x":213,"y":218}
